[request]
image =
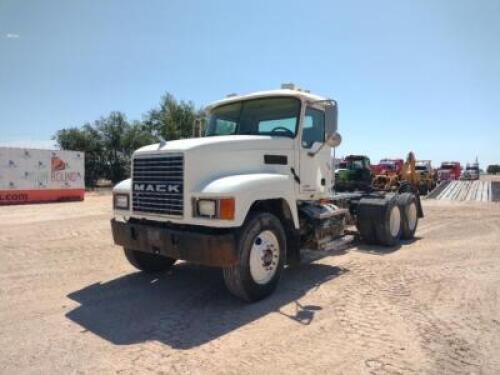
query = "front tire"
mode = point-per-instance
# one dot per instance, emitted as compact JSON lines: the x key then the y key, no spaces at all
{"x":261,"y":251}
{"x":149,"y":263}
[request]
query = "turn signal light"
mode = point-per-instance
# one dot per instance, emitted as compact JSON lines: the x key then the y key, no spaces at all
{"x":226,"y":208}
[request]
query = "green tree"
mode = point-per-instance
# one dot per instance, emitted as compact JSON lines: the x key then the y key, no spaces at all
{"x":493,"y":169}
{"x":88,"y":140}
{"x":136,"y":136}
{"x":172,"y":119}
{"x":109,"y":142}
{"x":112,"y":130}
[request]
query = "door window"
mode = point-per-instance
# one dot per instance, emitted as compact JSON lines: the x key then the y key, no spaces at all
{"x":313,"y":127}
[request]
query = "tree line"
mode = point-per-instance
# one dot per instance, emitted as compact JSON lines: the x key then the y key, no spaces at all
{"x":109,"y":141}
{"x":493,"y":169}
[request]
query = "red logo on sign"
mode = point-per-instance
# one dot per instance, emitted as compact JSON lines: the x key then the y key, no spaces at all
{"x":58,"y":164}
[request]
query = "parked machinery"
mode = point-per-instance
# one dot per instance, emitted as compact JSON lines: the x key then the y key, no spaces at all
{"x":388,"y":167}
{"x":353,"y":173}
{"x":387,"y":174}
{"x":449,"y":170}
{"x":471,"y":172}
{"x":426,"y":176}
{"x":406,"y":177}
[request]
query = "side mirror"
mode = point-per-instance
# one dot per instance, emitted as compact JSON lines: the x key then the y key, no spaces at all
{"x":332,"y":138}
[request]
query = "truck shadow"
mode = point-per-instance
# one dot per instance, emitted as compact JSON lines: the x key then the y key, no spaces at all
{"x":383,"y":250}
{"x":187,"y":307}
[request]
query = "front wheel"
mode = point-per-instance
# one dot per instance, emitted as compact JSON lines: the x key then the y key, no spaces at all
{"x":261,"y":251}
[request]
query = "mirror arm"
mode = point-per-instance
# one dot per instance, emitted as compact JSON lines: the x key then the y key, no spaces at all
{"x":312,"y":153}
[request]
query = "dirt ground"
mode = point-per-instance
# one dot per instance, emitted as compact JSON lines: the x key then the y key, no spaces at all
{"x":70,"y":303}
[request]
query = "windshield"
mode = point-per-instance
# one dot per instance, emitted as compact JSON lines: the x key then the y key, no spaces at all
{"x":448,"y":166}
{"x":356,"y":164}
{"x":352,"y":164}
{"x":387,"y":162}
{"x":267,"y":116}
{"x":420,"y":168}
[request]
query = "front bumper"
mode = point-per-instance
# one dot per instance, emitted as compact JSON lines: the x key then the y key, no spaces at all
{"x":217,"y":249}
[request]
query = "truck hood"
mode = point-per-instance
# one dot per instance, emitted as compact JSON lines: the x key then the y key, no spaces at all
{"x":225,"y":143}
{"x":209,"y":158}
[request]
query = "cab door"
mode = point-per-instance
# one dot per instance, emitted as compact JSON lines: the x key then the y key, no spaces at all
{"x":315,"y":169}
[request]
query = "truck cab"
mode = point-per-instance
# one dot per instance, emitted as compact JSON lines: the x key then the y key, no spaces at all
{"x":388,"y":167}
{"x":244,"y":197}
{"x":449,"y":170}
{"x":423,"y":167}
{"x":426,"y":176}
{"x":471,"y":172}
{"x":255,"y":147}
{"x":353,"y":173}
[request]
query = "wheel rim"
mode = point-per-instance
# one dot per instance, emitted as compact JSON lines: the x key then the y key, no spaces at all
{"x":395,"y":221}
{"x":412,"y":216}
{"x":264,"y":257}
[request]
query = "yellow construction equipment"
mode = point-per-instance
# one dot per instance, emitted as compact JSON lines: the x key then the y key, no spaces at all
{"x":393,"y":181}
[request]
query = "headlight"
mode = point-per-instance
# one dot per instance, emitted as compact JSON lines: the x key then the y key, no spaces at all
{"x":206,"y":207}
{"x":221,"y":208}
{"x":121,"y":201}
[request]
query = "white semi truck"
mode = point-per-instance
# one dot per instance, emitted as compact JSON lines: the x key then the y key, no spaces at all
{"x":472,"y":172}
{"x":250,"y":194}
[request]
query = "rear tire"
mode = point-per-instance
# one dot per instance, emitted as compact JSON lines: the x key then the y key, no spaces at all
{"x":407,"y":188}
{"x":409,"y":215}
{"x":388,"y":229}
{"x":149,"y":263}
{"x":379,"y":220}
{"x":261,"y":245}
{"x":365,"y":221}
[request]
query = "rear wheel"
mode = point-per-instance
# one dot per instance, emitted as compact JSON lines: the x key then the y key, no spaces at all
{"x":409,"y":215}
{"x":389,"y":228}
{"x":146,"y":262}
{"x":367,"y":211}
{"x":379,"y":220}
{"x":261,"y":247}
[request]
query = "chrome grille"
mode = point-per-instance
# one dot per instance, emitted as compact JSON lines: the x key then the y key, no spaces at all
{"x":158,"y":184}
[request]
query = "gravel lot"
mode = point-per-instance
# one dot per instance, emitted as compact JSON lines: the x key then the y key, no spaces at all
{"x":70,"y":303}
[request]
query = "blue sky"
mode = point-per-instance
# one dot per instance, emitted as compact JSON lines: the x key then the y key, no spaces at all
{"x":408,"y":75}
